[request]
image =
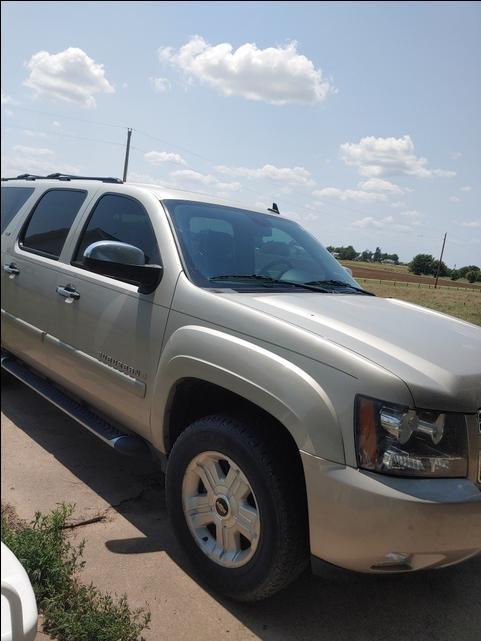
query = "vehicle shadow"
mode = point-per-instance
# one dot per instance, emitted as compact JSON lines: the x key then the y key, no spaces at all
{"x":336,"y":606}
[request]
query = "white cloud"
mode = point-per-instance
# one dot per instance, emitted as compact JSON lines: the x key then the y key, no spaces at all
{"x":369,"y":221}
{"x":376,"y":157}
{"x":349,"y":194}
{"x":382,"y":224}
{"x":472,"y":224}
{"x":22,"y":159}
{"x":456,"y":155}
{"x":398,"y":204}
{"x":162,"y":157}
{"x":70,"y":76}
{"x":56,"y":124}
{"x":279,"y":75}
{"x":160,"y":85}
{"x":34,"y":134}
{"x":7,"y":100}
{"x":413,"y":215}
{"x":454,"y":199}
{"x":378,"y":184}
{"x":189,"y":177}
{"x":147,"y":179}
{"x":291,"y":175}
{"x":465,"y":188}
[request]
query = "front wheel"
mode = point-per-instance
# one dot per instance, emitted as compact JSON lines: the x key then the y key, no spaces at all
{"x":236,"y":500}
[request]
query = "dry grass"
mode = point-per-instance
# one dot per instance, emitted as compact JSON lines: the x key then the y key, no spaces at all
{"x":395,"y":272}
{"x":398,"y":269}
{"x":463,"y":304}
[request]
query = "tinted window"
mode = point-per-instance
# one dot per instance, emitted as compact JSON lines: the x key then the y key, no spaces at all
{"x":51,"y":220}
{"x":12,"y":199}
{"x":226,"y":241}
{"x":122,"y":219}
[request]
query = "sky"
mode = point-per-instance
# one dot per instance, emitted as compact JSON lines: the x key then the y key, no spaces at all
{"x":361,"y":120}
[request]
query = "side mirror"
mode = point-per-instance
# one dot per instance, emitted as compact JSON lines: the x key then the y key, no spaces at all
{"x":124,"y":262}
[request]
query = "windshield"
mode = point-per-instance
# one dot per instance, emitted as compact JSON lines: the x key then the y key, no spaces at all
{"x":238,"y":249}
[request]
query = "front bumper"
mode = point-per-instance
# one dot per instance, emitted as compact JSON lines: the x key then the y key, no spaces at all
{"x":374,"y":523}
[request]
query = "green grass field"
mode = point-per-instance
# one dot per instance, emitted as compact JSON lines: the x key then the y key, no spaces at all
{"x":463,"y":304}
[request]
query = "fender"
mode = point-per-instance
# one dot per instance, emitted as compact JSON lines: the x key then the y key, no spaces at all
{"x":266,"y":379}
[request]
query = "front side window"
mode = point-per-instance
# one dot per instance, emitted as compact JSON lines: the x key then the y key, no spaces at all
{"x":236,"y":248}
{"x":13,"y":198}
{"x":123,"y":219}
{"x":50,"y":222}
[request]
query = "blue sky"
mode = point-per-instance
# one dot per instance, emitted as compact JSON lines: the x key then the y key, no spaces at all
{"x":361,"y":120}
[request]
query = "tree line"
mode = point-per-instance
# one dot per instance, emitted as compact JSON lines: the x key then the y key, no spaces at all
{"x":427,"y":264}
{"x":349,"y":253}
{"x":424,"y":264}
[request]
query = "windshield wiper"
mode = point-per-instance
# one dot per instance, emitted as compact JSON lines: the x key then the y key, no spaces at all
{"x":340,"y":284}
{"x":313,"y":287}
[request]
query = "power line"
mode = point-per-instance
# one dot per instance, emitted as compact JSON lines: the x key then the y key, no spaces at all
{"x":186,"y":150}
{"x":55,"y":115}
{"x":62,"y":135}
{"x":209,"y":161}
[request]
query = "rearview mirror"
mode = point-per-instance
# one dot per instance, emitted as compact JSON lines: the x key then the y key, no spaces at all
{"x":124,"y":262}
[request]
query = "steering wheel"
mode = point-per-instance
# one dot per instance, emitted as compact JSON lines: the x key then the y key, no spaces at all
{"x":280,"y":261}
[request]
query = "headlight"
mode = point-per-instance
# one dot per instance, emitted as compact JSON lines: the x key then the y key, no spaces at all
{"x":397,"y":440}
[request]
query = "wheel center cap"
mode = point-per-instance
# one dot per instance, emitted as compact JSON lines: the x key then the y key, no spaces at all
{"x":222,"y":507}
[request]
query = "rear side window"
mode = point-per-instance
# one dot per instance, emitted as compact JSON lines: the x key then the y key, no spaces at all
{"x":13,"y":198}
{"x":50,"y":221}
{"x":123,"y":219}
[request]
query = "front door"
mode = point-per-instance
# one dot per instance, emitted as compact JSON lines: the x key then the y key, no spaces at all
{"x":108,"y":336}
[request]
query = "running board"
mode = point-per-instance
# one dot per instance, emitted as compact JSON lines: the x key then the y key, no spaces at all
{"x":125,"y":443}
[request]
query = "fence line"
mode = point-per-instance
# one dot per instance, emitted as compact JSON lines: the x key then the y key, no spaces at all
{"x":405,"y":283}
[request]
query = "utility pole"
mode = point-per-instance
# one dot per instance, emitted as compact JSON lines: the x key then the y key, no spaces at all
{"x":440,"y":259}
{"x":127,"y":153}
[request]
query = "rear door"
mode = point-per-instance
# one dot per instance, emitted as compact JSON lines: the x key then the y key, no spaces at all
{"x":109,"y":337}
{"x":29,"y":272}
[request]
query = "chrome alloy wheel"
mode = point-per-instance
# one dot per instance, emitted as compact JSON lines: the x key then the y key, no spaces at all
{"x":220,"y":509}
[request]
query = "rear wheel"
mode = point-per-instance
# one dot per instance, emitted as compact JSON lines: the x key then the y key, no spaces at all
{"x":236,"y":500}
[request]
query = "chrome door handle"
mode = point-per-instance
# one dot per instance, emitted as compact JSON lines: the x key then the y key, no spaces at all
{"x":11,"y":269}
{"x":68,"y":292}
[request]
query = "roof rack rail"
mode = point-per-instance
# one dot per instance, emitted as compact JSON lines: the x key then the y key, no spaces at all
{"x":65,"y":177}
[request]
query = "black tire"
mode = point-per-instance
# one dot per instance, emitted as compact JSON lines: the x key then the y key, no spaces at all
{"x":272,"y":467}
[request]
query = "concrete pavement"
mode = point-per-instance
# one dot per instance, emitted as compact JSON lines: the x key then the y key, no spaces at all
{"x":47,"y":459}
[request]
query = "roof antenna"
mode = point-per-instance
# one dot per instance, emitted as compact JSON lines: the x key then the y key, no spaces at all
{"x":274,"y":209}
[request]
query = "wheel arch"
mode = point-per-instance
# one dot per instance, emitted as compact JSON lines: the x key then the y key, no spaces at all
{"x":219,"y":367}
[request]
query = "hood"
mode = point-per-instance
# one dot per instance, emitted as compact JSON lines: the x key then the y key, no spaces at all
{"x":437,"y":356}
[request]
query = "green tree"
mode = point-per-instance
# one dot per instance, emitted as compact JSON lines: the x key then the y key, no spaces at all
{"x":472,"y":276}
{"x":347,"y":253}
{"x":443,"y":270}
{"x":455,"y":274}
{"x":422,"y":264}
{"x":468,"y":268}
{"x":366,"y":256}
{"x":377,"y":257}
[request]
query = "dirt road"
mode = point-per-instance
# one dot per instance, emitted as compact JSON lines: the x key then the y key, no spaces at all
{"x":47,"y":459}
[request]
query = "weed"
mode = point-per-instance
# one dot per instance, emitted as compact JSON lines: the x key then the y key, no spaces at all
{"x":72,"y":611}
